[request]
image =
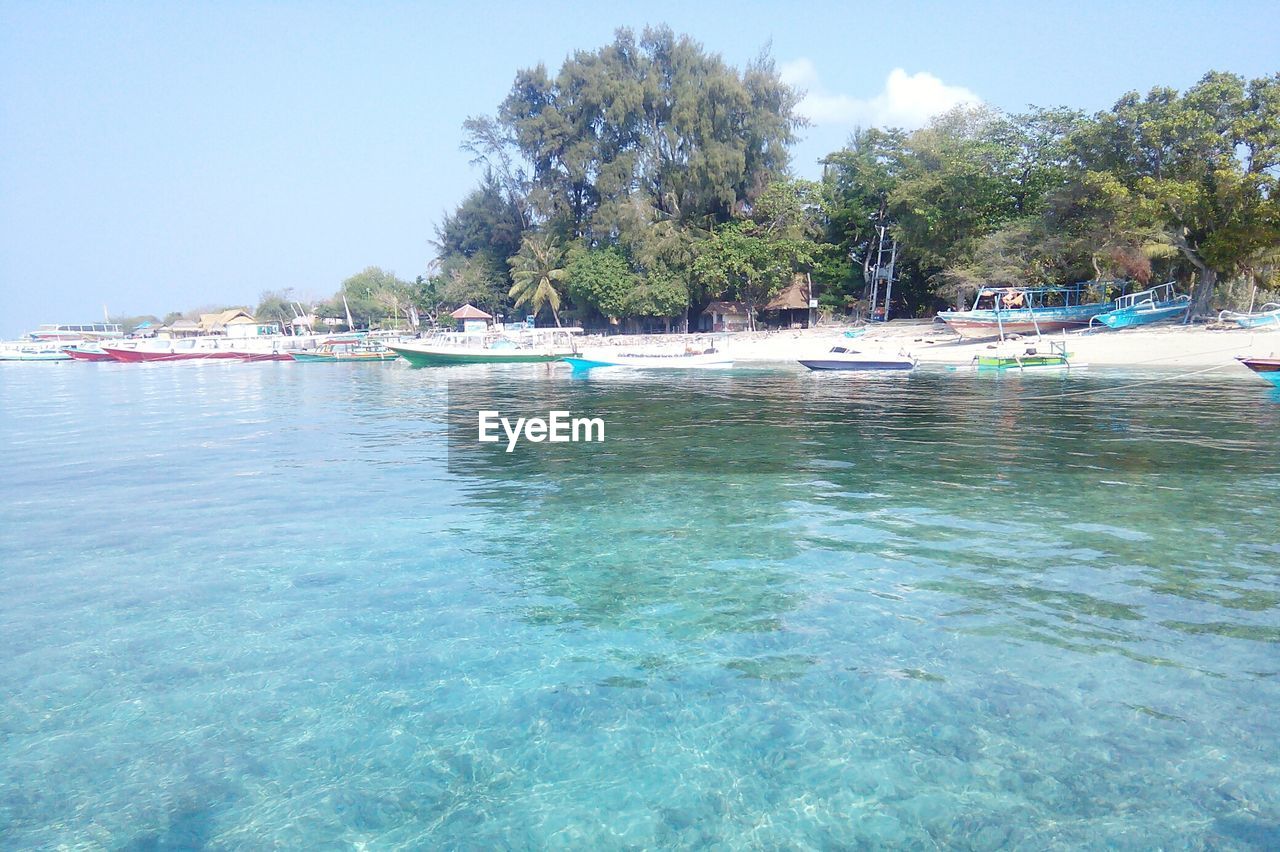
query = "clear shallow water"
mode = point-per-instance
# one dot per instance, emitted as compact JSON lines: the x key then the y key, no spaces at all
{"x":245,"y":605}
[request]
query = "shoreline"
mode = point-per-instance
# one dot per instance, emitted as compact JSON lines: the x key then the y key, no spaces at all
{"x":1156,"y":347}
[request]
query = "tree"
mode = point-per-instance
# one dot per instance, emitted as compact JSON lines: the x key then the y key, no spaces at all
{"x":601,"y":279}
{"x":276,"y":306}
{"x":535,"y":271}
{"x":740,"y":264}
{"x":372,"y":295}
{"x":1202,"y":164}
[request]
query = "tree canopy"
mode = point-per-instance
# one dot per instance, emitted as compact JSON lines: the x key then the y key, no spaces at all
{"x":662,"y":173}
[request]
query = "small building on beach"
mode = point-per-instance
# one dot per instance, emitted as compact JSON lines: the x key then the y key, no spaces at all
{"x":472,"y":319}
{"x":724,"y":316}
{"x":795,"y":306}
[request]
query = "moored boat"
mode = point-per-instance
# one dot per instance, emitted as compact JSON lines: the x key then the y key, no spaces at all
{"x":710,"y":359}
{"x":1267,"y":368}
{"x":515,"y":347}
{"x":32,"y":352}
{"x":1000,"y":311}
{"x":1029,"y":358}
{"x":87,"y":352}
{"x":840,"y":358}
{"x":1268,"y":317}
{"x":347,"y":351}
{"x":1145,"y":307}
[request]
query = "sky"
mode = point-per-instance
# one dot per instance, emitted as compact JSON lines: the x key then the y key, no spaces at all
{"x":166,"y":156}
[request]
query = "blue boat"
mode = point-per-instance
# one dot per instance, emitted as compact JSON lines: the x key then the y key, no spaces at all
{"x":1266,"y":368}
{"x":1145,"y":307}
{"x":1262,"y":319}
{"x":1001,"y":311}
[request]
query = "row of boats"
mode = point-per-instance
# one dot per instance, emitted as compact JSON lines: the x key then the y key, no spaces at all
{"x":1002,"y":311}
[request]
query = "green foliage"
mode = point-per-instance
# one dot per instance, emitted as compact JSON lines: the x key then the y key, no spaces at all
{"x":602,"y":280}
{"x":745,"y":261}
{"x":374,"y":296}
{"x":536,"y":271}
{"x":1203,"y":165}
{"x":275,"y":306}
{"x":667,"y":168}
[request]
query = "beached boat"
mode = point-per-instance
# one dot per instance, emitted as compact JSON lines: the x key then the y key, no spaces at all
{"x":710,"y":359}
{"x":514,"y":347}
{"x":347,"y":351}
{"x":840,"y":358}
{"x":1267,"y":368}
{"x":1268,"y":317}
{"x":1145,"y":307}
{"x":1000,"y":311}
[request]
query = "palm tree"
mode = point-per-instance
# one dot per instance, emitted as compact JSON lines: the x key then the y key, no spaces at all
{"x":535,"y":269}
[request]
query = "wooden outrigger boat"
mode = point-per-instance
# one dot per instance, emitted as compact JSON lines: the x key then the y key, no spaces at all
{"x":347,"y":351}
{"x":535,"y":346}
{"x":1268,"y":317}
{"x":1029,"y":359}
{"x":1001,"y":311}
{"x":1145,"y":307}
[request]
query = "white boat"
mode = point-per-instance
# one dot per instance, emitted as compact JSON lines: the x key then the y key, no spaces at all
{"x":709,"y":359}
{"x":844,"y":359}
{"x":510,"y":347}
{"x":32,"y":351}
{"x":74,"y":332}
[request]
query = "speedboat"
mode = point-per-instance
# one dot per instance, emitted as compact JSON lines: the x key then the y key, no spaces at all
{"x":844,"y":359}
{"x":1267,"y":368}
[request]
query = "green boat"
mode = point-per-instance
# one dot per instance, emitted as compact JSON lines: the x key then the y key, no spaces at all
{"x":347,"y":351}
{"x":1020,"y":362}
{"x":526,"y":349}
{"x":1057,"y":358}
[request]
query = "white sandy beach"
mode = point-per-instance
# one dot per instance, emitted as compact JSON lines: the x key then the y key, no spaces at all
{"x":1169,"y":346}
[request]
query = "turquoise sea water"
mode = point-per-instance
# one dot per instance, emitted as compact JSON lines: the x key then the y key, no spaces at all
{"x":254,"y":605}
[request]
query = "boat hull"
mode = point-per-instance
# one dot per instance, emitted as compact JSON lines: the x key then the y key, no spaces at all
{"x":984,"y":323}
{"x":1270,"y":319}
{"x":141,"y":356}
{"x":34,"y":356}
{"x":1266,"y":368}
{"x":88,"y":354}
{"x":346,"y":358}
{"x":1130,"y":317}
{"x":423,"y":357}
{"x":1028,"y":362}
{"x":650,"y":362}
{"x":869,"y":365}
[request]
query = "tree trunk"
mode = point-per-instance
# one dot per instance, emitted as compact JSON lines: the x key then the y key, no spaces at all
{"x":1203,"y":292}
{"x":555,"y":315}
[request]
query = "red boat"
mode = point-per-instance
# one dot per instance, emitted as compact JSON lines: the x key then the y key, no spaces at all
{"x":1267,"y":368}
{"x":87,"y":354}
{"x":178,"y":350}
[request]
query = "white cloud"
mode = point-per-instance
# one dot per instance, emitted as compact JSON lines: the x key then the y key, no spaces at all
{"x":907,"y":101}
